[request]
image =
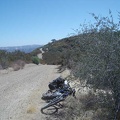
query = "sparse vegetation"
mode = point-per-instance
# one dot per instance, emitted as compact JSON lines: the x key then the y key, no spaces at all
{"x":35,"y":52}
{"x":93,"y":55}
{"x":15,"y":59}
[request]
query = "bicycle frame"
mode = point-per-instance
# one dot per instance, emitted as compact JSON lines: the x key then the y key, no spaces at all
{"x":55,"y":102}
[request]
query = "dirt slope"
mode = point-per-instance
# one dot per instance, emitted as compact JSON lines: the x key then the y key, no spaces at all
{"x":20,"y":92}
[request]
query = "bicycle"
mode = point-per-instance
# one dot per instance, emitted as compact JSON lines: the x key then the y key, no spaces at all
{"x":54,"y":99}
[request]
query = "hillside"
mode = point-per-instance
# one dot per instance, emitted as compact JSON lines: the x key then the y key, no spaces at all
{"x":59,"y":51}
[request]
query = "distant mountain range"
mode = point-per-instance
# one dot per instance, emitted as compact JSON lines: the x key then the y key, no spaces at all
{"x":25,"y":48}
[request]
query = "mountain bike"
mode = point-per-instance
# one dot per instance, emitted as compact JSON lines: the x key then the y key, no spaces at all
{"x":54,"y":99}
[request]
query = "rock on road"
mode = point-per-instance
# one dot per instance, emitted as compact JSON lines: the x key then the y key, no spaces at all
{"x":20,"y":92}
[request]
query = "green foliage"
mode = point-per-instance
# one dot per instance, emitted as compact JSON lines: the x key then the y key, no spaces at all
{"x":35,"y":60}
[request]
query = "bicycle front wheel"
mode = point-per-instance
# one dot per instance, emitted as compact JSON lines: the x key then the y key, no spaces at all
{"x":49,"y":111}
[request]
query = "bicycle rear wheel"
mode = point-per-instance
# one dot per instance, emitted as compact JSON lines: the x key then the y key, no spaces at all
{"x":52,"y":104}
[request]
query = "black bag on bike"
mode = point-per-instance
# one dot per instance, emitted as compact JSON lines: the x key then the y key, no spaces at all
{"x":57,"y":83}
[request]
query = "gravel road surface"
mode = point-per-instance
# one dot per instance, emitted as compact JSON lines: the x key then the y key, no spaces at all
{"x":20,"y":91}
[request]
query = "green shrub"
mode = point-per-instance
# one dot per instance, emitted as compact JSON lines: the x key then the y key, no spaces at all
{"x":35,"y":60}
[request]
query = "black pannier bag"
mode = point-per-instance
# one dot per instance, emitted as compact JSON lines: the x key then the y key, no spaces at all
{"x":57,"y":83}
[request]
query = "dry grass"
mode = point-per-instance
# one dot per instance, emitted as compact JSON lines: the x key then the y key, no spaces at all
{"x":31,"y":110}
{"x":85,"y":107}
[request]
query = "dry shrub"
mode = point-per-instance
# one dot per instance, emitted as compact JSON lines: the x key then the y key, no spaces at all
{"x":70,"y":111}
{"x":101,"y":105}
{"x":89,"y":101}
{"x":15,"y":67}
{"x":19,"y":64}
{"x":85,"y":107}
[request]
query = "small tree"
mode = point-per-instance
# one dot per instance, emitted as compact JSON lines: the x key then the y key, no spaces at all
{"x":53,"y":40}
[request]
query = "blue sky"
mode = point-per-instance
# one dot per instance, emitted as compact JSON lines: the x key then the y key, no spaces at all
{"x":26,"y":22}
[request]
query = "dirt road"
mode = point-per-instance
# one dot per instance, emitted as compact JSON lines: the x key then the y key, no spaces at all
{"x":20,"y":92}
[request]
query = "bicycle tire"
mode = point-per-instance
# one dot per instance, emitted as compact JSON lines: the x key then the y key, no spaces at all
{"x":50,"y":110}
{"x":52,"y":103}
